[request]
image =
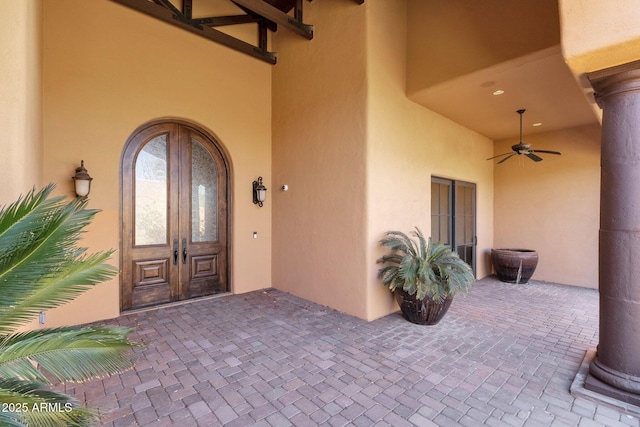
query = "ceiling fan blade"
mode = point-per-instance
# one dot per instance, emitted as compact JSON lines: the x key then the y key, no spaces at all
{"x":507,"y":158}
{"x":533,"y":157}
{"x":500,"y":155}
{"x":546,"y":151}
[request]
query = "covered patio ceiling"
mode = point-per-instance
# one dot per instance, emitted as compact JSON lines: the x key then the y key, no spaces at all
{"x":477,"y":63}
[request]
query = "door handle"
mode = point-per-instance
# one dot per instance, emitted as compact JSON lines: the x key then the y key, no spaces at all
{"x":184,"y":250}
{"x":175,"y":251}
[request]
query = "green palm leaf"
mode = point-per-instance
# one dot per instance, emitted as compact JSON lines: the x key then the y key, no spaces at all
{"x":69,"y":354}
{"x":58,"y":287}
{"x":41,"y":267}
{"x":39,"y":252}
{"x":39,"y":406}
{"x":11,"y":217}
{"x":422,"y":268}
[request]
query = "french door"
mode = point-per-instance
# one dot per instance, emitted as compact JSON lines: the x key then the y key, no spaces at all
{"x":174,"y":214}
{"x":453,"y":217}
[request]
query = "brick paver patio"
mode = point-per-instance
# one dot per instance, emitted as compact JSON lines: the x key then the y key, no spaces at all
{"x":504,"y":355}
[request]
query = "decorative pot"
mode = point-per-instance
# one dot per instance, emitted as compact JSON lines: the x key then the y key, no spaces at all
{"x":514,"y":265}
{"x":421,"y":312}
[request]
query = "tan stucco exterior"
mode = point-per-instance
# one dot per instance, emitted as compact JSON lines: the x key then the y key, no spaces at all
{"x":319,"y":151}
{"x":20,"y":97}
{"x":597,"y":35}
{"x":358,"y":157}
{"x":100,"y":85}
{"x":331,"y":120}
{"x":552,"y":206}
{"x":407,"y":145}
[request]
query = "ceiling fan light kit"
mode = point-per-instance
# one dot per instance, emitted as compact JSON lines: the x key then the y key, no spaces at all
{"x":523,"y":149}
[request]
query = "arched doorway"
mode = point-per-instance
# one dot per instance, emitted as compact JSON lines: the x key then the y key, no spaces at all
{"x":175,"y":201}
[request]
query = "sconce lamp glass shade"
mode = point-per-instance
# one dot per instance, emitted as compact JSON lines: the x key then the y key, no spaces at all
{"x":82,"y":181}
{"x":259,"y":192}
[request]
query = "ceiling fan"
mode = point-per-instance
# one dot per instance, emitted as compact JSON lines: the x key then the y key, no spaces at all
{"x":521,"y":148}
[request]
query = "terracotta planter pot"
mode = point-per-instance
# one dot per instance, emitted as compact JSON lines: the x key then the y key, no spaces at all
{"x":514,"y":265}
{"x":419,"y":311}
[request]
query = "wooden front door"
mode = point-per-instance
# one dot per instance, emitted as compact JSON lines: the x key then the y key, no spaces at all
{"x":174,"y":214}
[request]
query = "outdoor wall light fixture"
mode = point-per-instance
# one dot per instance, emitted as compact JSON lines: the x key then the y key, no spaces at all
{"x":82,"y":181}
{"x":259,"y":192}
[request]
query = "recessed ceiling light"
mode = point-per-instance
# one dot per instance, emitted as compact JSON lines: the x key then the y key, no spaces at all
{"x":498,"y":92}
{"x":537,"y":124}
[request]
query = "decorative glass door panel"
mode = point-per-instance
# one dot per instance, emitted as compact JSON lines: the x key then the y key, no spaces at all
{"x":174,"y":199}
{"x":151,"y":193}
{"x":204,"y":229}
{"x":204,"y":195}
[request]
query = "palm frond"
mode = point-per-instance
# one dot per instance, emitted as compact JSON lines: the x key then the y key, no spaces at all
{"x":41,"y":264}
{"x":11,"y":216}
{"x":423,"y":243}
{"x":69,"y":353}
{"x":423,"y":268}
{"x":37,"y":405}
{"x":398,"y":241}
{"x":9,"y":419}
{"x":41,"y":267}
{"x":61,"y":286}
{"x":42,"y":249}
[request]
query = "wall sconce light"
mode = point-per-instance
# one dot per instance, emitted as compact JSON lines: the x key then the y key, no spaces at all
{"x":259,"y":192}
{"x":82,"y":181}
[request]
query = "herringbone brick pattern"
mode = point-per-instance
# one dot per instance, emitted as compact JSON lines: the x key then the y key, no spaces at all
{"x":505,"y":355}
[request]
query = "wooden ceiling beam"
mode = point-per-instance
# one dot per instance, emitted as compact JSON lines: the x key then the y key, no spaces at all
{"x":275,"y":15}
{"x":187,"y":8}
{"x":220,"y":21}
{"x":179,"y":20}
{"x":267,"y":14}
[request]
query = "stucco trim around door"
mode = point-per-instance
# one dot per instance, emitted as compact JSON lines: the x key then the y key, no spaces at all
{"x":182,"y":264}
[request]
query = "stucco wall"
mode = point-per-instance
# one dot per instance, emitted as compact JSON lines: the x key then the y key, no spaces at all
{"x":107,"y":70}
{"x":407,"y":145}
{"x":597,"y":35}
{"x":357,"y":155}
{"x":553,"y":206}
{"x":319,"y":101}
{"x":20,"y":97}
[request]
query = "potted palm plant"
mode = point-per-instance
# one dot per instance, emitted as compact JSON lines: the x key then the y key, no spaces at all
{"x":423,"y":276}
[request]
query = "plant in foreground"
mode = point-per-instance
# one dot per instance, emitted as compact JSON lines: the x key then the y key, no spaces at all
{"x":41,"y":268}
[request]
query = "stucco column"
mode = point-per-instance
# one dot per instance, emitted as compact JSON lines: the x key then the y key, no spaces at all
{"x":618,"y":357}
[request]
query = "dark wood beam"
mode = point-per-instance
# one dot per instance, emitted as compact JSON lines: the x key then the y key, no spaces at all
{"x":220,"y":21}
{"x":273,"y":14}
{"x":179,"y":20}
{"x":187,"y":8}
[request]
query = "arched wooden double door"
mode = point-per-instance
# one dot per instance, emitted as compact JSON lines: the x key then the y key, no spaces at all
{"x":175,"y":198}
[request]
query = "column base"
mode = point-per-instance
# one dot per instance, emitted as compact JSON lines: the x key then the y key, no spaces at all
{"x":594,"y":384}
{"x":588,"y":387}
{"x":615,"y":379}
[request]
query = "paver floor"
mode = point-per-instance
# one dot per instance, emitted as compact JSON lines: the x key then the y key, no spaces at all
{"x":504,"y":355}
